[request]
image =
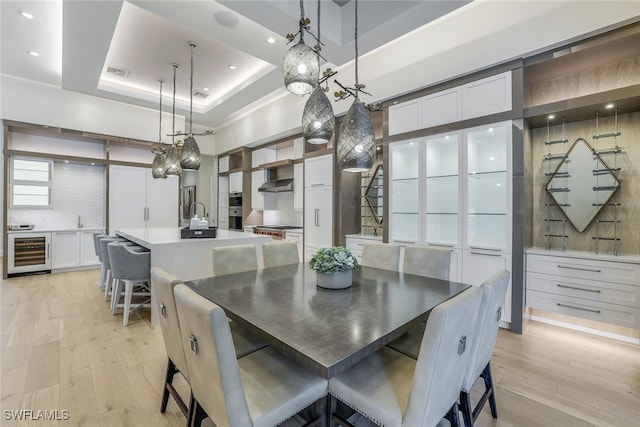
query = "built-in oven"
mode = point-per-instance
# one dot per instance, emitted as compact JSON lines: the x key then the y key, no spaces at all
{"x":235,"y":218}
{"x":235,"y":199}
{"x":28,"y":253}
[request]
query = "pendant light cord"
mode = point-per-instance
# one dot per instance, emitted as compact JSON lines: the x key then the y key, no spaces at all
{"x":319,"y":43}
{"x":160,"y":109}
{"x":301,"y":21}
{"x":356,"y":43}
{"x":192,"y":45}
{"x":173,"y":126}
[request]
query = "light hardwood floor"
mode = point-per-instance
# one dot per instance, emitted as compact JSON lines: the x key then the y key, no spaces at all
{"x":61,"y":349}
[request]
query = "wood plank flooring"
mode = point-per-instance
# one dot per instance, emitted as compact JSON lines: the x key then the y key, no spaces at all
{"x":61,"y":349}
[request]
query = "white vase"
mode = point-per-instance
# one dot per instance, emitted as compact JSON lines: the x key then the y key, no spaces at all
{"x":337,"y":280}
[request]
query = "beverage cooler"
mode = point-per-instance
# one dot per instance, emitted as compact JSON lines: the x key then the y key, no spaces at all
{"x":28,"y":253}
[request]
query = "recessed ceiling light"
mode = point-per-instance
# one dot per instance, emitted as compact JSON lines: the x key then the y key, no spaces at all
{"x":26,"y":15}
{"x":32,"y":53}
{"x":232,"y":67}
{"x":205,"y":89}
{"x":395,"y":102}
{"x":271,"y":40}
{"x":609,"y":106}
{"x":66,"y":161}
{"x":551,"y":117}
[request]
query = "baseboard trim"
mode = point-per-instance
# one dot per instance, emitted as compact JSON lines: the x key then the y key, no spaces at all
{"x":585,"y":329}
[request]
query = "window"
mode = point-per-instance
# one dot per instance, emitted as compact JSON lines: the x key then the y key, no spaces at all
{"x":30,"y":183}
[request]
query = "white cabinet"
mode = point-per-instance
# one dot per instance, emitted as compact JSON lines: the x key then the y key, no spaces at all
{"x":65,"y":249}
{"x":476,"y":99}
{"x":355,"y":242}
{"x":298,"y":148}
{"x":257,"y":197}
{"x":263,"y":155}
{"x":73,"y":248}
{"x":405,"y":192}
{"x":137,"y":200}
{"x":604,"y":288}
{"x":223,"y":164}
{"x":318,"y":209}
{"x":223,"y":202}
{"x":235,"y":182}
{"x":298,"y":237}
{"x":480,"y":265}
{"x":298,"y":186}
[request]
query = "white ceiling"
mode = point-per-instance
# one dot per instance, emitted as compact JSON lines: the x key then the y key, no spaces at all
{"x":78,"y":39}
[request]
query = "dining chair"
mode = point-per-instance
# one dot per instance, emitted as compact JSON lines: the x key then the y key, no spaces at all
{"x":234,"y":259}
{"x":381,"y":255}
{"x":494,"y":292}
{"x":276,"y":254}
{"x":392,"y":389}
{"x":163,"y":284}
{"x":426,"y":261}
{"x":130,"y":267}
{"x":264,"y":388}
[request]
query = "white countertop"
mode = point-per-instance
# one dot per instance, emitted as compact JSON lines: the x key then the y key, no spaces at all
{"x":171,"y":235}
{"x":364,"y":236}
{"x":54,"y":230}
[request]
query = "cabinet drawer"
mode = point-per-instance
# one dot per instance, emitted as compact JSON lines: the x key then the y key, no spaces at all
{"x":618,"y":272}
{"x":600,"y":311}
{"x":612,"y":293}
{"x":294,"y":237}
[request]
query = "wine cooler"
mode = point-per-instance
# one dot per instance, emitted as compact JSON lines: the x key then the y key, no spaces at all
{"x":29,"y":253}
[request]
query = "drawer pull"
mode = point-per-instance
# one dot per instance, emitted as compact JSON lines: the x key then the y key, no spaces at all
{"x":441,"y":245}
{"x":581,"y":269}
{"x":481,"y":253}
{"x":577,"y":288}
{"x":578,"y":308}
{"x":485,"y":249}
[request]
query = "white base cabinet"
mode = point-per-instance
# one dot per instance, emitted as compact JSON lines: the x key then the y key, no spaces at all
{"x":603,"y":288}
{"x":72,"y":249}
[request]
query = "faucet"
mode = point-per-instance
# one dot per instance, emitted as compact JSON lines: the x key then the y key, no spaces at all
{"x":193,"y":207}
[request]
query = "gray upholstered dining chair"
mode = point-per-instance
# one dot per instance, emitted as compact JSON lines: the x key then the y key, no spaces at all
{"x":130,"y":267}
{"x":234,"y":259}
{"x":264,"y":388}
{"x":426,"y":261}
{"x":276,"y":254}
{"x":494,"y":291}
{"x":381,"y":255}
{"x":392,"y":389}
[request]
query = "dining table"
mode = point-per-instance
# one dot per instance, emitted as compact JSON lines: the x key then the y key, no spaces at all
{"x":326,"y":330}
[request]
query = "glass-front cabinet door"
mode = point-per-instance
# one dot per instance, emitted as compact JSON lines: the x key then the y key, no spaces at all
{"x":488,"y":187}
{"x":442,"y":190}
{"x":405,"y":191}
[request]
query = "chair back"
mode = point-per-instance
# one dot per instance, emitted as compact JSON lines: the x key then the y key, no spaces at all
{"x":444,"y":354}
{"x":275,"y":254}
{"x":381,"y":255}
{"x":428,"y":262}
{"x":234,"y":259}
{"x":97,"y":235}
{"x":165,"y":304}
{"x":127,"y":263}
{"x":211,"y":359}
{"x":104,"y":252}
{"x":494,"y":291}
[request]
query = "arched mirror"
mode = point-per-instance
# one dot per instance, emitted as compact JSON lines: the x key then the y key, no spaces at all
{"x":582,"y":185}
{"x":373,"y":194}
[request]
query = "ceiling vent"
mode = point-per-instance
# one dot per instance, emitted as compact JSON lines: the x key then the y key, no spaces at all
{"x":199,"y":94}
{"x":120,"y":72}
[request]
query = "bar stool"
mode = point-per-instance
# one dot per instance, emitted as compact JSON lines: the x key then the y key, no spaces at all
{"x":104,"y":255}
{"x":130,"y":266}
{"x":97,"y":236}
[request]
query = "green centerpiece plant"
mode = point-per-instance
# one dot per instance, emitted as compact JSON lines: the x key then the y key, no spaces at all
{"x":333,"y":267}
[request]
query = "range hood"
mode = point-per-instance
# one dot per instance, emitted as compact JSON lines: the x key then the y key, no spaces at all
{"x":277,"y":186}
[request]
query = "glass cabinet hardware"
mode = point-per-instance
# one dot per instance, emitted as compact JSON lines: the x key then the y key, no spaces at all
{"x":615,"y":150}
{"x":563,"y":236}
{"x":558,"y":204}
{"x":558,"y":190}
{"x":605,"y":171}
{"x":558,"y":174}
{"x":555,"y":220}
{"x":550,"y":156}
{"x":606,"y":188}
{"x":612,"y":239}
{"x":610,"y":221}
{"x":607,"y":204}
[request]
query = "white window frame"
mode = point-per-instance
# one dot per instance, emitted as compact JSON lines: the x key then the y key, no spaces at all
{"x":13,"y":182}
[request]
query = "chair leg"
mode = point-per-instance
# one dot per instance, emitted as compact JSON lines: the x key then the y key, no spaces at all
{"x":128,"y":290}
{"x":107,"y":283}
{"x":115,"y":296}
{"x":452,"y":416}
{"x":168,"y":379}
{"x":466,"y":408}
{"x":101,"y":278}
{"x":198,"y":415}
{"x":192,"y":405}
{"x":488,"y":383}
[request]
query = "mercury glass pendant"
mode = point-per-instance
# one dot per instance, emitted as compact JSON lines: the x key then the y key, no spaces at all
{"x":173,"y":162}
{"x":300,"y":69}
{"x":356,"y":143}
{"x":190,"y":155}
{"x":318,"y":122}
{"x":158,"y":167}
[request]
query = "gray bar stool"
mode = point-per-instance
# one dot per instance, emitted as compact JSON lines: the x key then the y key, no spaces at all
{"x":131,"y":267}
{"x":96,"y":246}
{"x":106,"y":265}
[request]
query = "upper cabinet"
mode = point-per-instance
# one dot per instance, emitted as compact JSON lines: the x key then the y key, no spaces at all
{"x":476,"y":99}
{"x":223,"y":164}
{"x":235,"y":182}
{"x":262,"y":156}
{"x":318,"y":171}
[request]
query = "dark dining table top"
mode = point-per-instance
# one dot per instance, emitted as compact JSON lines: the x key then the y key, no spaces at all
{"x":326,"y":330}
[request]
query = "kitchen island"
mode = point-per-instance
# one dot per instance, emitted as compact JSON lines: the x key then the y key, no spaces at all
{"x":187,"y":259}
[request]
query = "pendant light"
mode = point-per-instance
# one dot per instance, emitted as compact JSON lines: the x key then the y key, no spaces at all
{"x":190,"y":156}
{"x":173,"y":159}
{"x":158,"y":167}
{"x":318,"y":122}
{"x":356,"y":142}
{"x":300,"y":67}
